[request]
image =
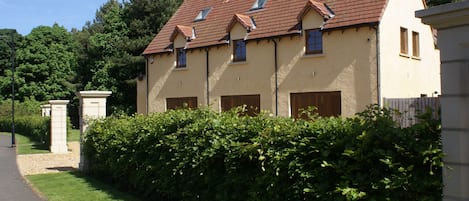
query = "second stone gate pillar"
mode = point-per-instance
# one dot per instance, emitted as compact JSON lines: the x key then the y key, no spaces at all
{"x":92,"y":106}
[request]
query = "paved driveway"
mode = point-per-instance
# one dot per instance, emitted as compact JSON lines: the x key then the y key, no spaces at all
{"x":12,"y":185}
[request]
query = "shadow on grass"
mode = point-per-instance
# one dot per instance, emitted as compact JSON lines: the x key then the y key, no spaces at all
{"x":42,"y":147}
{"x":99,"y":185}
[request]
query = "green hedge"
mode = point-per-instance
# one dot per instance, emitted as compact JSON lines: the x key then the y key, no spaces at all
{"x":28,"y":120}
{"x":34,"y":126}
{"x":190,"y":155}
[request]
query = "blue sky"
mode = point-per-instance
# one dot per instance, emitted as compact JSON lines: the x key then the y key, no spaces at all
{"x":24,"y":15}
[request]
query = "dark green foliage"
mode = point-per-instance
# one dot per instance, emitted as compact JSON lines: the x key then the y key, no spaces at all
{"x":47,"y":60}
{"x":202,"y":155}
{"x":5,"y":60}
{"x":111,"y":47}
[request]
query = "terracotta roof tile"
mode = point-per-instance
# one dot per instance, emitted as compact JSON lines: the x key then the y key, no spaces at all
{"x":278,"y":17}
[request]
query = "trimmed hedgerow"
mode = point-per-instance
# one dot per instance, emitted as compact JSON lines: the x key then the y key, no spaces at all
{"x":28,"y":120}
{"x":34,"y":126}
{"x":188,"y":155}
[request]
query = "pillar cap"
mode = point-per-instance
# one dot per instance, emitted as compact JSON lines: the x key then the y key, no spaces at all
{"x":45,"y":106}
{"x":446,"y":15}
{"x":94,"y":94}
{"x":59,"y":102}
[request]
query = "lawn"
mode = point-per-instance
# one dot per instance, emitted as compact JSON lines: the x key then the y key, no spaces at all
{"x":68,"y":186}
{"x":25,"y":145}
{"x":74,"y":135}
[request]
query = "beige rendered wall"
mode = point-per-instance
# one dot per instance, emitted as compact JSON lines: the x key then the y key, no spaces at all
{"x":404,"y":76}
{"x":142,"y":95}
{"x":165,"y":81}
{"x":348,"y":64}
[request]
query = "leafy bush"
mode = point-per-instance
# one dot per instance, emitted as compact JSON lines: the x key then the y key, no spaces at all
{"x":190,"y":155}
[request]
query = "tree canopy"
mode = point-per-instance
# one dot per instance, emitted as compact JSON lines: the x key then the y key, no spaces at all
{"x":47,"y":60}
{"x":105,"y":54}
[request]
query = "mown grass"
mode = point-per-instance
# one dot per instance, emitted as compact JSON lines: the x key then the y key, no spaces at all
{"x":68,"y":186}
{"x":25,"y":145}
{"x":74,"y":135}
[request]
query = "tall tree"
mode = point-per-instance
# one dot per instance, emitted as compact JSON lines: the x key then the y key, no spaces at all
{"x":5,"y":60}
{"x":112,"y":44}
{"x":47,"y":61}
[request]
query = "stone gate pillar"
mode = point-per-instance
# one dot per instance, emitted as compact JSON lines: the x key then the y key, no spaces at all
{"x":92,"y":106}
{"x":58,"y":126}
{"x":452,"y":22}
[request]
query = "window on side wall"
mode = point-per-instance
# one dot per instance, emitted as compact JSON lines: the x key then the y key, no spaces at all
{"x":404,"y":41}
{"x":239,"y":50}
{"x":313,"y":41}
{"x":181,"y":61}
{"x":415,"y":44}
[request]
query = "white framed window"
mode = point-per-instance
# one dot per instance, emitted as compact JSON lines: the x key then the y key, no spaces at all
{"x":259,"y":4}
{"x":203,"y":14}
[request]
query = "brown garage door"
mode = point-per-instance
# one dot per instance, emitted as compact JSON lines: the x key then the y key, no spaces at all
{"x":253,"y":103}
{"x":328,"y":103}
{"x":179,"y":103}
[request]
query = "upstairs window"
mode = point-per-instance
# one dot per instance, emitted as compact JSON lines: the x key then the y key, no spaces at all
{"x":404,"y":41}
{"x":203,"y":14}
{"x":239,"y":50}
{"x":181,"y":61}
{"x":313,"y":41}
{"x":415,"y":44}
{"x":259,"y":4}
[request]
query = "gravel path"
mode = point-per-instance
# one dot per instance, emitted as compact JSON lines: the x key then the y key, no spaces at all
{"x":50,"y":163}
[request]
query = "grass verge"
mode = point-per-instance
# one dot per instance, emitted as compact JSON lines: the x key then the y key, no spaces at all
{"x":26,"y":145}
{"x":74,"y":135}
{"x":75,"y":186}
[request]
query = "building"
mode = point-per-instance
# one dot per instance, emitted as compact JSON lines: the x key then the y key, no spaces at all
{"x":284,"y":55}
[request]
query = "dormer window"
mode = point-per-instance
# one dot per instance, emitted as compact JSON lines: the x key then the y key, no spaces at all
{"x":259,"y":4}
{"x":202,"y":14}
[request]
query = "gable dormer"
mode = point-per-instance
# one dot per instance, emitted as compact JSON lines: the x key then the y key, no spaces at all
{"x":314,"y":14}
{"x":240,"y":26}
{"x":182,"y":35}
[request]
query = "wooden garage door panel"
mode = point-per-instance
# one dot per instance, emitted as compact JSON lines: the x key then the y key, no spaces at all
{"x":179,"y":103}
{"x":327,"y":103}
{"x":252,"y":102}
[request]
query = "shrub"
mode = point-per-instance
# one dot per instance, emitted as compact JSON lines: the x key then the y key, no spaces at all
{"x":187,"y":155}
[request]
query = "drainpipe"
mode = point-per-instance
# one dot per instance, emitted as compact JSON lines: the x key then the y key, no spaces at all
{"x":378,"y":63}
{"x":207,"y":65}
{"x":276,"y":74}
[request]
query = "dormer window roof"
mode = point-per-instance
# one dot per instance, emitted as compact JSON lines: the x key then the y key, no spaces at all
{"x":202,"y":14}
{"x":187,"y":32}
{"x":321,"y":8}
{"x":259,"y":4}
{"x":246,"y":21}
